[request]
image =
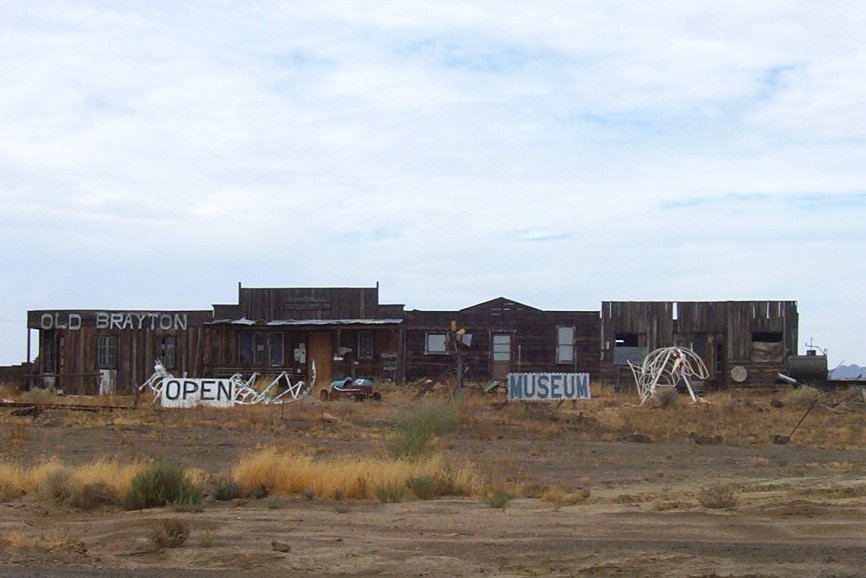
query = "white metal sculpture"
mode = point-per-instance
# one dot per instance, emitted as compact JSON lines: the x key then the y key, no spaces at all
{"x":245,"y":392}
{"x":668,"y":367}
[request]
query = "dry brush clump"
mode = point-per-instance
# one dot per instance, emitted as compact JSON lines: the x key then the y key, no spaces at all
{"x":718,"y":496}
{"x":87,"y":486}
{"x":348,"y":477}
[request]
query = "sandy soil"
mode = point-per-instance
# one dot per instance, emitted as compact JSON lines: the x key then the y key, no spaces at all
{"x":800,"y":510}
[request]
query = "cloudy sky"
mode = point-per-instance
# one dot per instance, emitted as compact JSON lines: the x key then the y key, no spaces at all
{"x":154,"y":154}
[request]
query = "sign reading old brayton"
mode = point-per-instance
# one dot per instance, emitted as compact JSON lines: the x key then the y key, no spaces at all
{"x":148,"y":320}
{"x":548,"y":386}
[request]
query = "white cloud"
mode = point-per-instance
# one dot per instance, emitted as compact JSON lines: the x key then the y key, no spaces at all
{"x":560,"y":153}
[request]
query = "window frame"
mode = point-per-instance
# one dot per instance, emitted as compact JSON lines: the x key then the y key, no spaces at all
{"x":366,"y":344}
{"x":436,"y":351}
{"x":163,"y":349}
{"x":496,"y":353}
{"x":569,"y":347}
{"x":106,"y":351}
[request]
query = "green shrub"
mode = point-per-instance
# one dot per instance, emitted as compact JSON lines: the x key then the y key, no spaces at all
{"x":259,"y":492}
{"x":170,"y":533}
{"x":390,"y":492}
{"x":161,"y":484}
{"x":226,"y":489}
{"x":416,"y":430}
{"x":274,"y":502}
{"x":427,"y":487}
{"x":424,"y":487}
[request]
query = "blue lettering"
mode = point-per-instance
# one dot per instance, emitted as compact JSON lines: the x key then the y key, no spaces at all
{"x":570,"y":387}
{"x":555,"y":385}
{"x":529,"y":393}
{"x":515,"y":385}
{"x":543,"y":387}
{"x":583,"y":385}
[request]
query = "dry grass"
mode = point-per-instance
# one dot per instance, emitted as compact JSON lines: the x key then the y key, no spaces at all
{"x":718,"y":496}
{"x":350,"y":477}
{"x":53,"y":480}
{"x":50,"y":541}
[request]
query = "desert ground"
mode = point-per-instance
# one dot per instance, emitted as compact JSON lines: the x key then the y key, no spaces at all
{"x":600,"y":487}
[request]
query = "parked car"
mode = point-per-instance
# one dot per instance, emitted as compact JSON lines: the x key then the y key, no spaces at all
{"x":358,"y":389}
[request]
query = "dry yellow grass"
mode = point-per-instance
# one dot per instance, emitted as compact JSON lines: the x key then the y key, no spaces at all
{"x":350,"y":477}
{"x":34,"y":478}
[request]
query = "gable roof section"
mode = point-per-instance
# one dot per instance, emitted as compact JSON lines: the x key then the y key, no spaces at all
{"x":498,"y":306}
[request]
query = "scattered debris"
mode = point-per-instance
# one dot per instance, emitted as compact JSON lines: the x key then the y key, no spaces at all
{"x":245,"y":392}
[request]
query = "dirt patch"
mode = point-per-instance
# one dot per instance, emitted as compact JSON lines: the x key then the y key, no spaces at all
{"x":587,"y":501}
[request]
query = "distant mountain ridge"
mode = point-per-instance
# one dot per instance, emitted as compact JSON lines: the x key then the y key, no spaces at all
{"x":852,"y":371}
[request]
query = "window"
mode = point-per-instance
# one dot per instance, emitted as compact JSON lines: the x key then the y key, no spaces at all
{"x":106,"y":352}
{"x":564,"y":344}
{"x":245,"y":348}
{"x":767,"y":337}
{"x":626,"y":340}
{"x":365,"y":344}
{"x":501,"y":347}
{"x":49,"y":352}
{"x":626,"y":349}
{"x":260,"y":348}
{"x":275,"y":349}
{"x":166,"y":348}
{"x":435,"y":344}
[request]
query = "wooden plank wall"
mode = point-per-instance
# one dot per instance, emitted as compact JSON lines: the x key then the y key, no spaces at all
{"x":136,"y":349}
{"x":533,"y":341}
{"x":731,"y":323}
{"x":308,"y":303}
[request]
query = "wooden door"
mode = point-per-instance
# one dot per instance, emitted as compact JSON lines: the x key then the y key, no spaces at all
{"x":322,"y":352}
{"x":500,"y":355}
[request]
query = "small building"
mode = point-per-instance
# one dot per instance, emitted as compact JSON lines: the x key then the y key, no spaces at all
{"x":506,"y":336}
{"x":741,"y":342}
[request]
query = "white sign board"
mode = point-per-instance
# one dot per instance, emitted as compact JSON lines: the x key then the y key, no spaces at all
{"x":185,"y":392}
{"x":548,"y":386}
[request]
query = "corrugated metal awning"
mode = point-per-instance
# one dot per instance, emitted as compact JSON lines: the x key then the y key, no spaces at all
{"x":306,"y":322}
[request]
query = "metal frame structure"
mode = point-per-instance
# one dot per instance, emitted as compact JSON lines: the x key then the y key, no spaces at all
{"x":668,"y":367}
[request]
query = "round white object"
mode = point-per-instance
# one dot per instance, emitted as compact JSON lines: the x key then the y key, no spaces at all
{"x":739,"y":373}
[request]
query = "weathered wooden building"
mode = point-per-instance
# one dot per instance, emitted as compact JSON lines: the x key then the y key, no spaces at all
{"x":347,"y":332}
{"x":741,"y":342}
{"x":506,"y":336}
{"x":80,"y":349}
